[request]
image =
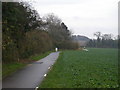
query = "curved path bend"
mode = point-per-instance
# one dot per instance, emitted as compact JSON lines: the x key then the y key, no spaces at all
{"x":32,"y":75}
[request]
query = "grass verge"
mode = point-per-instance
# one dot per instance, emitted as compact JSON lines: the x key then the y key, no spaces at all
{"x":40,"y":56}
{"x":97,"y":68}
{"x":10,"y":68}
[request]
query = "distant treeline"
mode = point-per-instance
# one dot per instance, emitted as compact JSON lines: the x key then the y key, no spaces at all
{"x":104,"y":41}
{"x":25,"y":33}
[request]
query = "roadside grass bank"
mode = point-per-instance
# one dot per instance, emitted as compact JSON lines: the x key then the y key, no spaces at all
{"x":40,"y":56}
{"x":9,"y":68}
{"x":97,"y":68}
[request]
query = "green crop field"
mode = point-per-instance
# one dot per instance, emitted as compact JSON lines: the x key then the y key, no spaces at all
{"x":97,"y":68}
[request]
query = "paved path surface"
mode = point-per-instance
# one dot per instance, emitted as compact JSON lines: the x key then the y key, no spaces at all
{"x":32,"y":75}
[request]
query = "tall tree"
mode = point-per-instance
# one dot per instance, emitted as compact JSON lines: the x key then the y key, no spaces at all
{"x":57,"y":30}
{"x":98,"y":35}
{"x":17,"y":19}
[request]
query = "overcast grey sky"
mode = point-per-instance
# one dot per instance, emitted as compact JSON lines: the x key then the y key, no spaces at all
{"x":83,"y":17}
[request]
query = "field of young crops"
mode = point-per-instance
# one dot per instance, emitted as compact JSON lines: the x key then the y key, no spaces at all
{"x":97,"y":68}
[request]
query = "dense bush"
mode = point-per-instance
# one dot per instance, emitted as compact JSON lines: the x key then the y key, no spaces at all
{"x":37,"y":42}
